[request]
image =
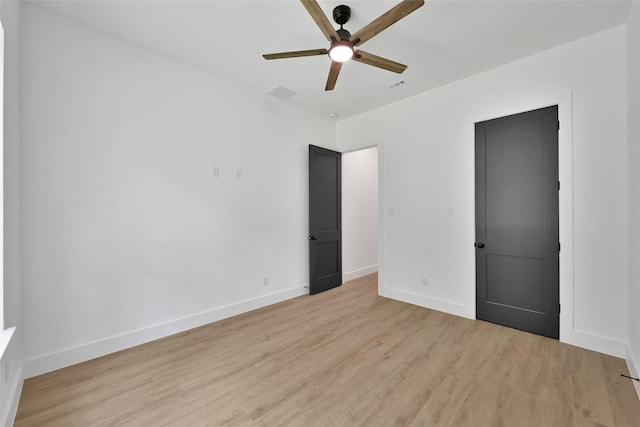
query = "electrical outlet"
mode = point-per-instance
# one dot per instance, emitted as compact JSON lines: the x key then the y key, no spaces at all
{"x":215,"y":171}
{"x":265,"y":281}
{"x":425,"y":281}
{"x":238,"y":173}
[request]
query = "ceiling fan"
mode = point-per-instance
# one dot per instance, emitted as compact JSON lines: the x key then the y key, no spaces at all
{"x":343,"y":43}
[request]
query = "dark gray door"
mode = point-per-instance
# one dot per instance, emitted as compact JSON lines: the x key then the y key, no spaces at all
{"x":325,"y":229}
{"x":517,"y":239}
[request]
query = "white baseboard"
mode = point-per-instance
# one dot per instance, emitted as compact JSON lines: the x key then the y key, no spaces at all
{"x":634,"y":368}
{"x":71,"y":356}
{"x":426,"y":302}
{"x":16,"y":392}
{"x":359,"y":273}
{"x":596,"y":343}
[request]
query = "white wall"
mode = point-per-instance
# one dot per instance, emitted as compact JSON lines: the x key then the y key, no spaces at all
{"x":359,"y":213}
{"x":428,"y":167}
{"x":127,"y":236}
{"x":12,"y":359}
{"x":633,"y":122}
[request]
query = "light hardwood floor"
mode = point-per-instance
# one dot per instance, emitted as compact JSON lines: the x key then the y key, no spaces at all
{"x":343,"y":357}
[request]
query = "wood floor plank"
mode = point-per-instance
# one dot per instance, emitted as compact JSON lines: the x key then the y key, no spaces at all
{"x":342,"y":357}
{"x":621,"y":392}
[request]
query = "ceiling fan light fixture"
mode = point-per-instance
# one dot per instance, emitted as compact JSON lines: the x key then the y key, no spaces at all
{"x":341,"y":52}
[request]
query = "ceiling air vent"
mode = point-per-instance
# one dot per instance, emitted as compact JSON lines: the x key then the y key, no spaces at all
{"x":397,"y":84}
{"x":281,"y":92}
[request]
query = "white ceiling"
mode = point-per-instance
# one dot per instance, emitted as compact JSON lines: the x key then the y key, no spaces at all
{"x":441,"y":42}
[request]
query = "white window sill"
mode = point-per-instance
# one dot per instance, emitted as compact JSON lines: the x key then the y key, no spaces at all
{"x":5,"y":338}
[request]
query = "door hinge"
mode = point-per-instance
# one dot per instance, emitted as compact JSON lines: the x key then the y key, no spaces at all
{"x":558,"y":185}
{"x":559,"y":247}
{"x":559,"y":308}
{"x":558,"y":124}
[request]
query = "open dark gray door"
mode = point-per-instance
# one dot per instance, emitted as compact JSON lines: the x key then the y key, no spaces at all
{"x":325,"y":229}
{"x":517,"y":235}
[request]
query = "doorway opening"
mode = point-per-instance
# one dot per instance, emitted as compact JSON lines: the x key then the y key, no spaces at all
{"x":333,"y":177}
{"x":359,"y":213}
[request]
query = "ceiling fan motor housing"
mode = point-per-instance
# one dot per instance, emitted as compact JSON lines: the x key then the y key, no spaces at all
{"x":341,"y":14}
{"x":344,"y":34}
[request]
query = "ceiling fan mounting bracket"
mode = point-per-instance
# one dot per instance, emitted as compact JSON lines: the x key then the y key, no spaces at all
{"x":341,"y":14}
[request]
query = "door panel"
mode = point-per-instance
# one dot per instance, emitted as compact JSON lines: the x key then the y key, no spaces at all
{"x":325,"y":234}
{"x":517,"y":276}
{"x":514,"y":282}
{"x":513,"y":193}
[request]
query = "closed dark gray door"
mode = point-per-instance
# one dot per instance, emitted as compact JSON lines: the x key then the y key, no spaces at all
{"x":517,"y":239}
{"x":325,"y":232}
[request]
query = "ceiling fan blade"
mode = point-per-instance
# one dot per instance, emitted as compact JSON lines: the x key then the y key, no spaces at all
{"x":321,"y":19}
{"x":385,"y":20}
{"x":378,"y":61}
{"x":333,"y":75}
{"x":295,"y":54}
